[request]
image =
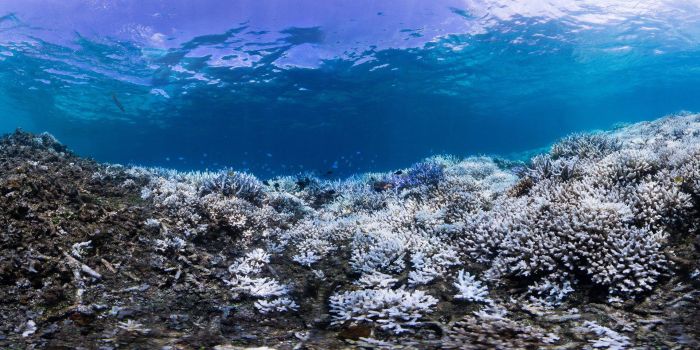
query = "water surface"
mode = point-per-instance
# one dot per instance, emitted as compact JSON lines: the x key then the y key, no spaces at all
{"x":279,"y":87}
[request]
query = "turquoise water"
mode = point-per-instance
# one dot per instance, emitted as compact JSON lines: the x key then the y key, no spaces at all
{"x":280,"y":87}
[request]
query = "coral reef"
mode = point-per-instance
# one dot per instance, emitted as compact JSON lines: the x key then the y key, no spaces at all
{"x":593,"y":244}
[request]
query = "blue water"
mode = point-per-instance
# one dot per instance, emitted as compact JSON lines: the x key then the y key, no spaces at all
{"x":280,"y":87}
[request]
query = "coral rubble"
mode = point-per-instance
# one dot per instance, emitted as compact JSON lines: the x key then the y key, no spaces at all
{"x":594,"y":244}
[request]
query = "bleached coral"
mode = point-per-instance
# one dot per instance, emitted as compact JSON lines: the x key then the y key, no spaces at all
{"x":258,"y":287}
{"x":28,"y":328}
{"x":78,"y":249}
{"x":132,"y":326}
{"x":573,"y":227}
{"x":545,"y":167}
{"x":425,"y":173}
{"x":378,"y":251}
{"x":550,"y":292}
{"x":245,"y":280}
{"x":431,"y":261}
{"x":609,"y":339}
{"x":598,"y":210}
{"x":311,"y":251}
{"x":170,"y":243}
{"x":469,"y":288}
{"x":376,"y":279}
{"x":392,"y":310}
{"x":252,"y":263}
{"x":586,"y":146}
{"x":230,"y":183}
{"x":282,"y":304}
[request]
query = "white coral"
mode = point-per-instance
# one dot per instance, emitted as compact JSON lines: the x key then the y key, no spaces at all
{"x":244,"y":280}
{"x":311,"y":251}
{"x":252,"y":263}
{"x":282,"y":304}
{"x":609,"y":339}
{"x":431,"y":262}
{"x":391,"y":310}
{"x":258,"y":287}
{"x":376,"y":280}
{"x":469,"y":288}
{"x":78,"y":249}
{"x":132,"y":326}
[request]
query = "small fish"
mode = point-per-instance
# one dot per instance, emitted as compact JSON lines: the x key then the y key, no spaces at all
{"x":678,"y":179}
{"x":117,"y":103}
{"x":398,"y":172}
{"x":266,"y":183}
{"x":381,"y":186}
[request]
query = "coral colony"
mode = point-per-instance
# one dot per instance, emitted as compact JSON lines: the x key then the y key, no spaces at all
{"x":447,"y":253}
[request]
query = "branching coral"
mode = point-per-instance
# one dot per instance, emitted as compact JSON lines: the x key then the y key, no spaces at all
{"x":231,"y":183}
{"x":469,"y":288}
{"x":609,"y":339}
{"x":424,"y":173}
{"x":243,"y":280}
{"x":276,"y":305}
{"x":596,"y":212}
{"x":586,"y":146}
{"x":392,"y":310}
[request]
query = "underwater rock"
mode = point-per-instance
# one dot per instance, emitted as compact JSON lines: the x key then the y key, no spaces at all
{"x":594,"y":244}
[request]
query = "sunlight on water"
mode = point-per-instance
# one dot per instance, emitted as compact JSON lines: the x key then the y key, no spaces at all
{"x":291,"y":86}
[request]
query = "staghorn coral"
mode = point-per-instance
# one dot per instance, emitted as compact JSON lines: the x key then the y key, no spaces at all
{"x":599,"y":206}
{"x":244,"y":270}
{"x":392,"y":310}
{"x":376,"y":279}
{"x":544,"y":167}
{"x":231,"y":183}
{"x":469,"y":288}
{"x":609,"y":339}
{"x":585,"y":146}
{"x":276,"y":305}
{"x":421,"y":174}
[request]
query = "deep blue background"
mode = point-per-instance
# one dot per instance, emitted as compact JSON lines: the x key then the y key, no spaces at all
{"x":347,"y":86}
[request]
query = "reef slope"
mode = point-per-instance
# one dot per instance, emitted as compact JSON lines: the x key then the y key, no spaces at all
{"x":594,"y":244}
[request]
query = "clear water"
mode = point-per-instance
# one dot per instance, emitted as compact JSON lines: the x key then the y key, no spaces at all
{"x":285,"y":86}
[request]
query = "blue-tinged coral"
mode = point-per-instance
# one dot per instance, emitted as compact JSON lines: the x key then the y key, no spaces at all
{"x":421,"y":174}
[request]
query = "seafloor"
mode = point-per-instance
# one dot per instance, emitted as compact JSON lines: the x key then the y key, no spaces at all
{"x":593,"y":245}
